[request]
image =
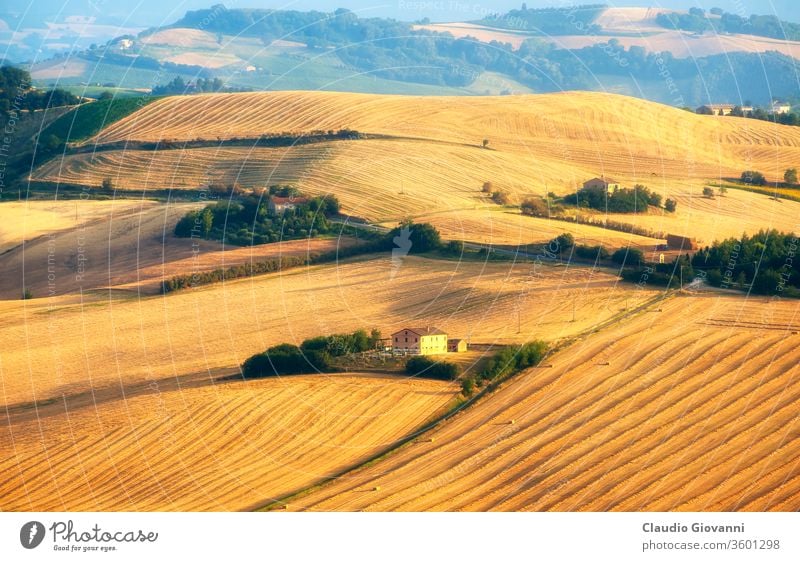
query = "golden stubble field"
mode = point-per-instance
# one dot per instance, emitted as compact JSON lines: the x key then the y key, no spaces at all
{"x":119,"y":245}
{"x":122,"y":404}
{"x":215,"y":446}
{"x":690,"y":408}
{"x":430,"y":159}
{"x":75,"y":344}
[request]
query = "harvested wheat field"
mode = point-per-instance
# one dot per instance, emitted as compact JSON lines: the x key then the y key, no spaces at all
{"x":69,"y":345}
{"x":223,"y":446}
{"x":601,"y":131}
{"x":693,"y":408}
{"x":505,"y":228}
{"x":25,"y":221}
{"x":720,"y":217}
{"x":129,"y":247}
{"x":430,"y":159}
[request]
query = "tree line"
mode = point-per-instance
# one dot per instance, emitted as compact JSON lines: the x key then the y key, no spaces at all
{"x":698,"y":21}
{"x":17,"y":94}
{"x":624,"y":200}
{"x":316,"y":354}
{"x":395,"y":50}
{"x":248,"y":221}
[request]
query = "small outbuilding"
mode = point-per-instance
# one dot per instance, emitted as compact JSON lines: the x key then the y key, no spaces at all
{"x":681,"y":242}
{"x":456,"y":345}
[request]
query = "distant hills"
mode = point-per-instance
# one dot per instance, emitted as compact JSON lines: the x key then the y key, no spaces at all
{"x":682,"y":59}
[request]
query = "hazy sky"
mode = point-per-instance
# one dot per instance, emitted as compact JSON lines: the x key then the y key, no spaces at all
{"x":159,"y":12}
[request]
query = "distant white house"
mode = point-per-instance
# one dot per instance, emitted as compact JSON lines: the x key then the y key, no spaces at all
{"x":779,"y":107}
{"x":279,"y":205}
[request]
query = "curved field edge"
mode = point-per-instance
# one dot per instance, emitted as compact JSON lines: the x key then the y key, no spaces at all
{"x":208,"y":447}
{"x":462,"y":404}
{"x":606,"y":428}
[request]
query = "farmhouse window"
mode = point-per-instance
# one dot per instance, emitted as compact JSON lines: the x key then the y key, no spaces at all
{"x":415,"y":339}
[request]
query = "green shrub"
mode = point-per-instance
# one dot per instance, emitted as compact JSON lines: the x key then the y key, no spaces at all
{"x":428,"y":368}
{"x":591,"y":252}
{"x":628,"y":256}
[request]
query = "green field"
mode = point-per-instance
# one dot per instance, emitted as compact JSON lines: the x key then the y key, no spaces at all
{"x":87,"y":119}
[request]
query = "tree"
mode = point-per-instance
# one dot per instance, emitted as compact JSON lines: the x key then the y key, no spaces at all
{"x":206,"y":221}
{"x":454,"y":247}
{"x":487,"y":187}
{"x":534,"y":207}
{"x":753,"y":177}
{"x":375,"y":338}
{"x":467,"y":387}
{"x":501,"y":198}
{"x":105,"y":95}
{"x":108,"y":184}
{"x":723,"y":190}
{"x":708,"y":192}
{"x":790,"y":176}
{"x":670,"y":205}
{"x":563,"y":242}
{"x":27,"y":294}
{"x":628,"y":256}
{"x":485,"y":142}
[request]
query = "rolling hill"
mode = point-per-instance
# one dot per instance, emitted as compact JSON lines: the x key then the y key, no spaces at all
{"x":690,"y":407}
{"x":423,"y":156}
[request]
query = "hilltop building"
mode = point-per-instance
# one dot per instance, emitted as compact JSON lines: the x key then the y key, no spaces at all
{"x":779,"y":107}
{"x":603,"y":182}
{"x":715,"y":109}
{"x":420,"y":341}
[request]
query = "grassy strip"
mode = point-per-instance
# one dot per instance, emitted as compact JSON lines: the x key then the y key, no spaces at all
{"x":775,"y":192}
{"x":608,"y":225}
{"x":88,"y":119}
{"x":458,"y":405}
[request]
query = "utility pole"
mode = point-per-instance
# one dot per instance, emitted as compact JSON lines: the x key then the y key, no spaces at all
{"x":573,"y":310}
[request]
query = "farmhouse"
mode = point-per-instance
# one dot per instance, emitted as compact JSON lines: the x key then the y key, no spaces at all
{"x":605,"y":182}
{"x":420,"y":341}
{"x":279,"y":205}
{"x":681,"y":242}
{"x":779,"y":107}
{"x":715,"y":109}
{"x":456,"y":346}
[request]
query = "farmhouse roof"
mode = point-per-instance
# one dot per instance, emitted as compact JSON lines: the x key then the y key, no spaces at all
{"x":424,"y":330}
{"x":603,"y":179}
{"x":290,"y":200}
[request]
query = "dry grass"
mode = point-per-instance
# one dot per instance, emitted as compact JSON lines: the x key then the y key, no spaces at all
{"x":693,"y":408}
{"x":539,"y":143}
{"x":721,"y":217}
{"x":509,"y":228}
{"x":130,"y":247}
{"x":70,"y":345}
{"x":225,"y":446}
{"x":117,"y":404}
{"x":206,"y":60}
{"x":182,"y":37}
{"x":26,"y":221}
